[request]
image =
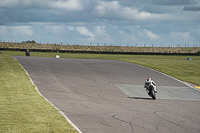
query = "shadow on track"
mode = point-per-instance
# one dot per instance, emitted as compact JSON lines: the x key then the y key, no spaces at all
{"x":141,"y":98}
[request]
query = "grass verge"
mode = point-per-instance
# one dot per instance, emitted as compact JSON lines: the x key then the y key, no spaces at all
{"x":22,"y":109}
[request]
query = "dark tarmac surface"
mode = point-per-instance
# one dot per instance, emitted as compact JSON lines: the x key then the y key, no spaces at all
{"x":104,"y":96}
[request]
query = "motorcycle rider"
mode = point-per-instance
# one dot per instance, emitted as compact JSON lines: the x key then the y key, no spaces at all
{"x":27,"y":53}
{"x":150,"y":83}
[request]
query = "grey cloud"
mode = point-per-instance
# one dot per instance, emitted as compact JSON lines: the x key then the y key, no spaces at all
{"x":191,"y":8}
{"x":115,"y":11}
{"x":45,"y":11}
{"x":4,"y":18}
{"x":173,"y":2}
{"x":13,"y":16}
{"x":32,"y":15}
{"x":69,"y":5}
{"x":106,"y":21}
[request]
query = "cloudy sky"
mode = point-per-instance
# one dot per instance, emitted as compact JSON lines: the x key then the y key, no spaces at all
{"x":119,"y":22}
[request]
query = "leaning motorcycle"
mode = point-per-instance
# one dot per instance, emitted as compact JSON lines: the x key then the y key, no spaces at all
{"x":150,"y":90}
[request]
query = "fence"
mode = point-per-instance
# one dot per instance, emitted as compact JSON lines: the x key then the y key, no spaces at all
{"x":111,"y":44}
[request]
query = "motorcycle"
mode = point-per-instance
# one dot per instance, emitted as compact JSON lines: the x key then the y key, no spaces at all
{"x":150,"y":90}
{"x":27,"y":53}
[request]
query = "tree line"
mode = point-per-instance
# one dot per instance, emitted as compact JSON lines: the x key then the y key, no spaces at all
{"x":29,"y":41}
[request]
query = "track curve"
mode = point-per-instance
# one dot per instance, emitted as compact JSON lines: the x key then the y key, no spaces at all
{"x":101,"y":96}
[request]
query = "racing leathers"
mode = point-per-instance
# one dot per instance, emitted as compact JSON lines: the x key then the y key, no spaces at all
{"x":150,"y":83}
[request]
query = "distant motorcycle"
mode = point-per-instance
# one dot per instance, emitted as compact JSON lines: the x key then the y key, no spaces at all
{"x":27,"y":53}
{"x":150,"y":86}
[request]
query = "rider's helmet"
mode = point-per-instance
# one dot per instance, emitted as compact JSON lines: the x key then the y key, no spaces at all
{"x":148,"y":81}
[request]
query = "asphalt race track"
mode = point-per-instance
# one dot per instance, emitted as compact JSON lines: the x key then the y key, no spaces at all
{"x":104,"y":96}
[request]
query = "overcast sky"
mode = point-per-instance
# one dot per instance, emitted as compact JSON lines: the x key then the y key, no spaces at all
{"x":101,"y":21}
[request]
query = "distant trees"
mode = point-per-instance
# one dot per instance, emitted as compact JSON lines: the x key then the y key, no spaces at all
{"x":29,"y":41}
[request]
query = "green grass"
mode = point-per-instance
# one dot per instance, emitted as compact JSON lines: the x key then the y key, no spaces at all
{"x":22,"y":109}
{"x":175,"y":66}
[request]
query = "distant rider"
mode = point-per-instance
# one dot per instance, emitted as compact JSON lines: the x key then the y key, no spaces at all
{"x":150,"y":83}
{"x":27,"y":53}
